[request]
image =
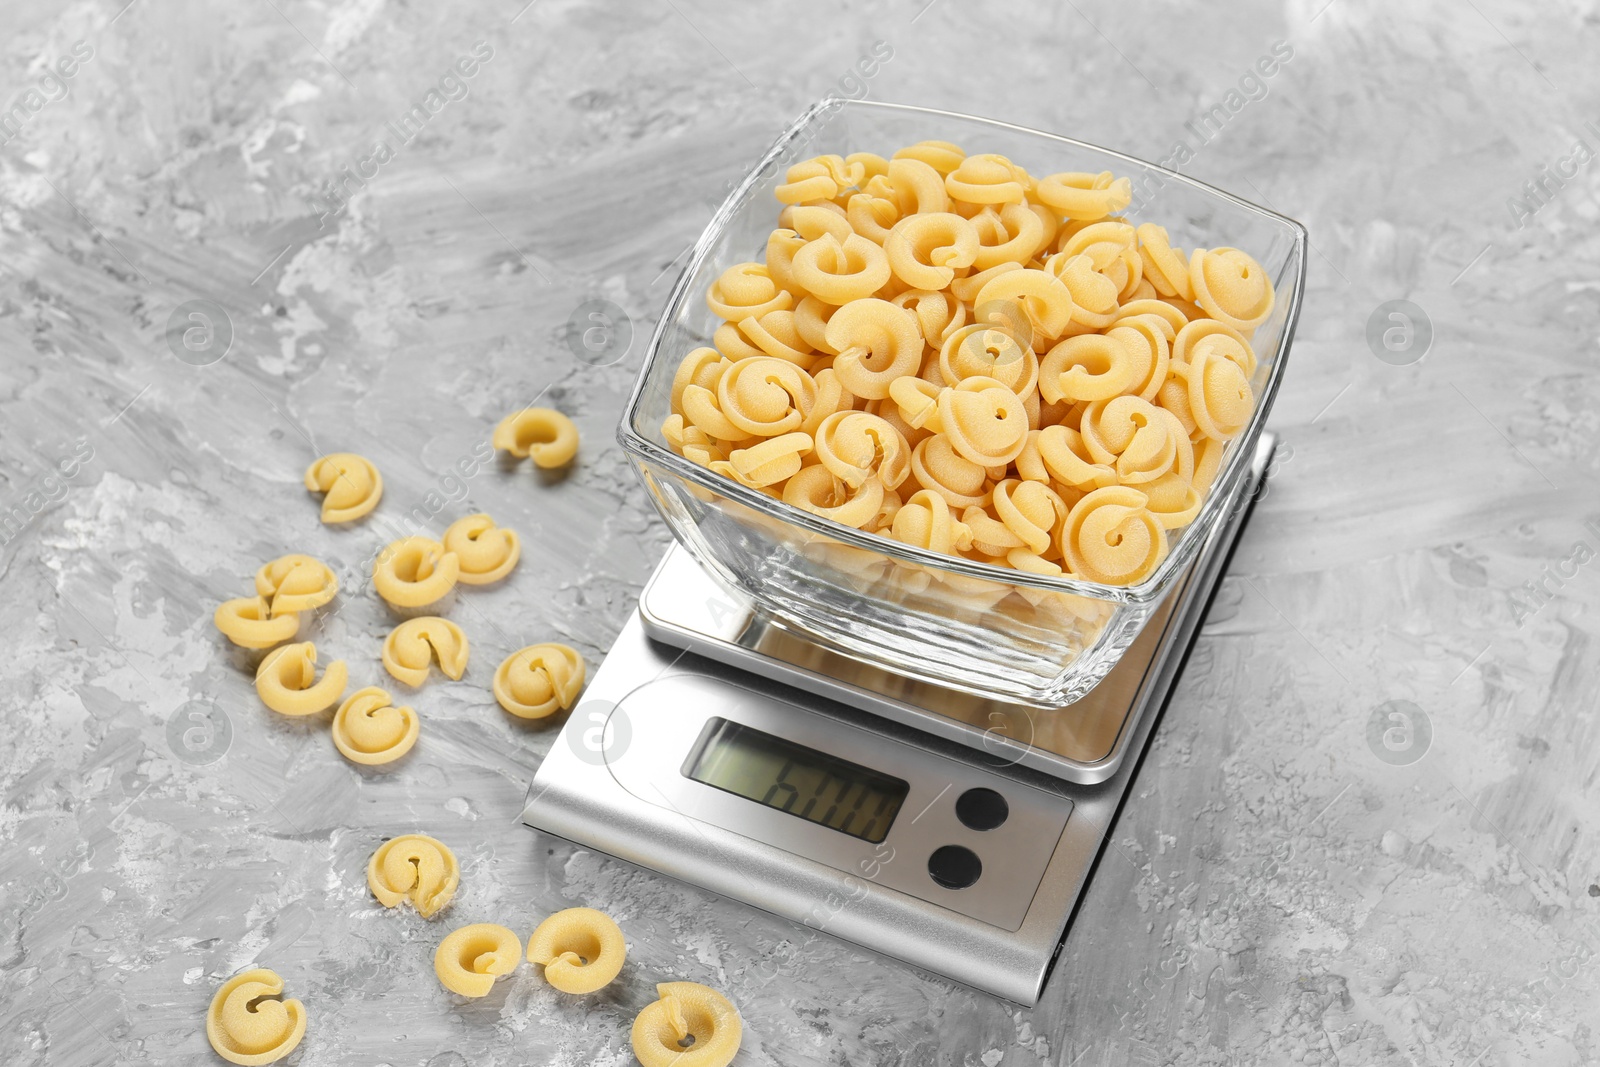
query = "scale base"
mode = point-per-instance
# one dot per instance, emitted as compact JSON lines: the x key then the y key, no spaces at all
{"x":616,"y":779}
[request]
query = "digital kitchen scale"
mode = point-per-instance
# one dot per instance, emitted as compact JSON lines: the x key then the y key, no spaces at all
{"x":950,"y":831}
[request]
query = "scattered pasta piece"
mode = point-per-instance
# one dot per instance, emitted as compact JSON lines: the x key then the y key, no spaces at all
{"x":287,"y":680}
{"x":468,"y":960}
{"x":547,"y":435}
{"x":350,"y":484}
{"x":580,"y":949}
{"x":296,"y":583}
{"x":370,"y":730}
{"x":415,"y":572}
{"x":662,"y":1030}
{"x":539,"y":680}
{"x":943,"y":350}
{"x":485,"y":552}
{"x":249,"y":1023}
{"x":417,"y":868}
{"x":415,"y":643}
{"x":249,"y":623}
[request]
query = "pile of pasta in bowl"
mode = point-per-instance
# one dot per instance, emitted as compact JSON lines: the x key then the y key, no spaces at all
{"x":943,"y":350}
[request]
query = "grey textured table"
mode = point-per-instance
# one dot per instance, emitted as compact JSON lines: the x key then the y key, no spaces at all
{"x":1367,"y":833}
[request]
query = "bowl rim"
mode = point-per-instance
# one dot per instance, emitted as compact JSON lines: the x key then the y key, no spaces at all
{"x":1190,"y":536}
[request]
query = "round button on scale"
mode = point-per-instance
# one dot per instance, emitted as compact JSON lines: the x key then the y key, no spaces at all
{"x":982,"y":809}
{"x":954,"y":866}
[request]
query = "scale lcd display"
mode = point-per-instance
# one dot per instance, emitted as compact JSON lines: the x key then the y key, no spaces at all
{"x":811,"y":785}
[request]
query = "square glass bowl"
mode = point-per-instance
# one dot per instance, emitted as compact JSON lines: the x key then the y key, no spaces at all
{"x":967,"y":625}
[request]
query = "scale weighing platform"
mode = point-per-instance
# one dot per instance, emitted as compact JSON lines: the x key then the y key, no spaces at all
{"x":950,"y":831}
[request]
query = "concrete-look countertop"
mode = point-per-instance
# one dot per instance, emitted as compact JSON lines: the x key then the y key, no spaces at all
{"x":1368,"y":831}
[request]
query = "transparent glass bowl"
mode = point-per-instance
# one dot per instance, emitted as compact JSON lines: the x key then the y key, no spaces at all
{"x":983,"y":629}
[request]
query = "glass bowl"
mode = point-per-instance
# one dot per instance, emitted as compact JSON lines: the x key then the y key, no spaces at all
{"x":968,"y":625}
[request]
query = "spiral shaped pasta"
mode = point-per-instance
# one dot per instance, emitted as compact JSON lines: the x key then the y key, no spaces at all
{"x":1146,"y":336}
{"x":1213,"y":335}
{"x":990,"y":536}
{"x":1173,"y":500}
{"x":249,"y":623}
{"x":1094,"y":296}
{"x":937,"y":314}
{"x":287,"y":680}
{"x":877,"y":343}
{"x":1139,"y":439}
{"x":746,"y":289}
{"x":1166,"y":267}
{"x":1031,"y":511}
{"x":776,"y":334}
{"x":1065,"y":456}
{"x":821,"y":178}
{"x":248,"y":1022}
{"x":925,"y":251}
{"x":1093,"y":366}
{"x":1220,"y":397}
{"x":985,"y":178}
{"x":580,"y":949}
{"x":855,"y":446}
{"x":1231,"y":287}
{"x":296,"y":583}
{"x":925,"y":521}
{"x":662,"y":1031}
{"x":468,"y":960}
{"x":817,"y":490}
{"x":767,"y":462}
{"x":413,"y":645}
{"x":539,"y":680}
{"x":765,"y":397}
{"x":546,"y":435}
{"x":1085,"y":196}
{"x":1111,"y":537}
{"x":782,"y":245}
{"x":915,"y":186}
{"x":839,"y":272}
{"x":415,"y":572}
{"x":984,"y":421}
{"x":1013,"y":233}
{"x":872,"y":216}
{"x":942,"y":156}
{"x":368,"y":728}
{"x":417,"y":868}
{"x":350,"y":484}
{"x":701,"y":367}
{"x":1043,"y":298}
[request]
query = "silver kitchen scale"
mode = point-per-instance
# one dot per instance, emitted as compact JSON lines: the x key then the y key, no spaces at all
{"x":950,"y":831}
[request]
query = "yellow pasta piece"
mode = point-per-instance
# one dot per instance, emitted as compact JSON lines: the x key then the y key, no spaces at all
{"x":580,"y":949}
{"x":777,"y":334}
{"x":984,"y":421}
{"x":937,"y":314}
{"x":370,"y":730}
{"x":938,"y":467}
{"x":1174,"y":501}
{"x":745,"y":290}
{"x":249,"y":1022}
{"x":872,"y":216}
{"x":1085,"y":196}
{"x":832,"y":398}
{"x":701,"y":367}
{"x":942,"y":156}
{"x":811,"y":221}
{"x":856,"y":446}
{"x":1067,"y":459}
{"x":926,"y":250}
{"x":840,"y":271}
{"x":249,"y":622}
{"x":542,"y":433}
{"x":1091,"y":366}
{"x":765,"y":397}
{"x":1220,"y":397}
{"x":415,"y":572}
{"x":1231,"y":287}
{"x":1166,"y":267}
{"x":468,"y":960}
{"x":990,"y":536}
{"x":415,"y":643}
{"x":1139,"y":440}
{"x":817,"y":490}
{"x":296,"y":583}
{"x":985,"y":178}
{"x":1042,"y":297}
{"x":662,"y":1031}
{"x":1094,"y":296}
{"x":1012,"y":233}
{"x":811,"y":323}
{"x":484,"y":552}
{"x":916,"y":186}
{"x":1111,"y":537}
{"x":1030,"y":510}
{"x":350,"y":484}
{"x":821,"y":178}
{"x":539,"y":680}
{"x":766,"y":463}
{"x":1212,"y":334}
{"x":991,"y":350}
{"x":1207,"y":462}
{"x":877,"y":343}
{"x":925,"y":521}
{"x":417,"y":868}
{"x":287,"y":680}
{"x":1145,"y":336}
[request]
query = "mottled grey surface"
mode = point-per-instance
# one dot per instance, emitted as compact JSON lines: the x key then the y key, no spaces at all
{"x":1275,"y":893}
